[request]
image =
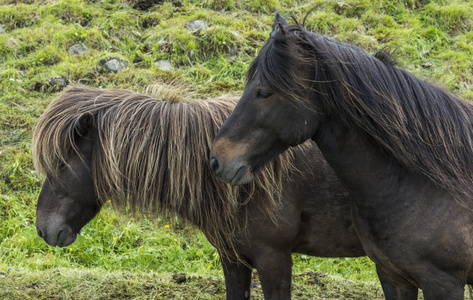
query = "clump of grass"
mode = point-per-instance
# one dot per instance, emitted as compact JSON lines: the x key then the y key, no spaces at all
{"x":453,"y":16}
{"x":18,"y":16}
{"x":73,"y":12}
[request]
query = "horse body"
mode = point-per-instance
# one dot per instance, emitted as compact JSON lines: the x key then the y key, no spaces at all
{"x":315,"y":220}
{"x":401,"y":220}
{"x":312,"y":215}
{"x":401,"y":147}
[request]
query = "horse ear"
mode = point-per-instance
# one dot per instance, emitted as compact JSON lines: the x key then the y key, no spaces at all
{"x":279,"y":23}
{"x":84,"y":124}
{"x":279,"y":19}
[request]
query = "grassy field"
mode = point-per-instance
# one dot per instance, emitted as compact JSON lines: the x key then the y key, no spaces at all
{"x":117,"y":256}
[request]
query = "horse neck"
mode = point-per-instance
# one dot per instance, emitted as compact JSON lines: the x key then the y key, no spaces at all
{"x":370,"y":176}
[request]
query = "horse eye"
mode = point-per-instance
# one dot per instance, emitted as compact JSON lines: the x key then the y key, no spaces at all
{"x":262,"y":94}
{"x":62,"y":167}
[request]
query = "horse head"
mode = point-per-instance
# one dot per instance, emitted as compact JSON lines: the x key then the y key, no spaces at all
{"x":272,"y":113}
{"x":68,"y":200}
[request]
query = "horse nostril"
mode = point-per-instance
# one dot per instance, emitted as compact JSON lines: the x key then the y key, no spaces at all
{"x":214,"y":164}
{"x":40,"y":232}
{"x":61,"y":236}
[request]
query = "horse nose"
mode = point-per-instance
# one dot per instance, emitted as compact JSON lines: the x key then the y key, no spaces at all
{"x":215,"y":164}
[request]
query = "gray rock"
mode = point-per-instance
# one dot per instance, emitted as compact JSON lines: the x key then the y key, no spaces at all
{"x":2,"y":28}
{"x":77,"y":49}
{"x":57,"y":83}
{"x":164,"y":65}
{"x":179,"y":277}
{"x":113,"y":65}
{"x":197,"y":25}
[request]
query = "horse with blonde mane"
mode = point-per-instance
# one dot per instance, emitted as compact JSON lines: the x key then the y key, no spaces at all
{"x":150,"y":156}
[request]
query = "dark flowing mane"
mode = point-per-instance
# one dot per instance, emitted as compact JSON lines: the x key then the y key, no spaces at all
{"x":151,"y":156}
{"x":424,"y":128}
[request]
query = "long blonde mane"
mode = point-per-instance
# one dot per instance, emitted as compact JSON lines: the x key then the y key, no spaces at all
{"x":151,"y":157}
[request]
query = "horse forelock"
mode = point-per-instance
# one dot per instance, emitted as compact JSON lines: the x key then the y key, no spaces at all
{"x":426,"y":129}
{"x":278,"y":65}
{"x":151,"y":157}
{"x":54,"y":134}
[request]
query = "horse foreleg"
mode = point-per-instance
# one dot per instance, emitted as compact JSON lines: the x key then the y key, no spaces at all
{"x":393,"y":290}
{"x":237,"y":279}
{"x":439,"y":285}
{"x":274,"y":270}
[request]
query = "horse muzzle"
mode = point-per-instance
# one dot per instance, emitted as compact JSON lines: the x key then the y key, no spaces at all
{"x":234,"y":172}
{"x":60,"y":236}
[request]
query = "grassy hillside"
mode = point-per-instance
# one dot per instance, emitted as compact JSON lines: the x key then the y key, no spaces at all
{"x":117,"y":256}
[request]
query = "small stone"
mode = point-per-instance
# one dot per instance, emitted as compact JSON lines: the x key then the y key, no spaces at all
{"x":2,"y":28}
{"x":164,"y":65}
{"x":77,"y":49}
{"x":137,"y":59}
{"x":197,"y":25}
{"x":57,"y":83}
{"x":179,"y":278}
{"x":113,"y":65}
{"x":427,"y":65}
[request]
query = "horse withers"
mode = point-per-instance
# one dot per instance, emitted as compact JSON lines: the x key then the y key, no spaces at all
{"x":151,"y":155}
{"x":401,"y":146}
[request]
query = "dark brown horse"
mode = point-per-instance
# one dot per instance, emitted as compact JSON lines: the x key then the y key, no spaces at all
{"x":401,"y":146}
{"x":151,"y":156}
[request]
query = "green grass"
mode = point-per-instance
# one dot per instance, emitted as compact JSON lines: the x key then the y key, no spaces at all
{"x":91,"y":283}
{"x":117,"y":256}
